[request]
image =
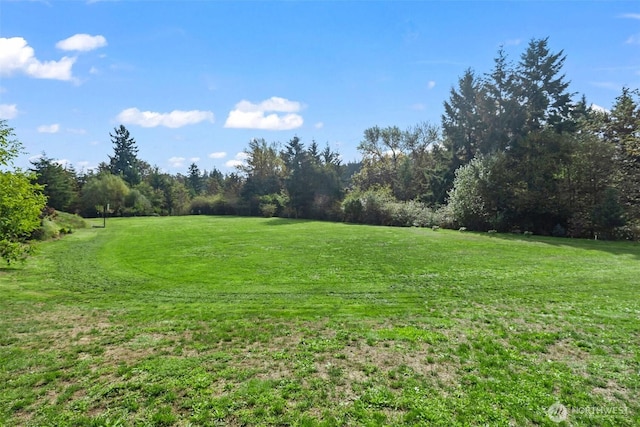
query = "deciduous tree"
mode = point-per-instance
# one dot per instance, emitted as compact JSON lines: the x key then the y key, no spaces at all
{"x":21,"y":201}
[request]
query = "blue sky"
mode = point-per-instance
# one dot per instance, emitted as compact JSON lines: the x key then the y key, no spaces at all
{"x":194,"y":81}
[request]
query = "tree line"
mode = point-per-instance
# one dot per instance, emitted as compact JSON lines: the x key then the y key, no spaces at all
{"x":514,"y":152}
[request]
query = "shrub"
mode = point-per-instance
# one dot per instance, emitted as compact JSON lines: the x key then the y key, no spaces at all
{"x":210,"y":205}
{"x":135,"y":204}
{"x":268,"y":210}
{"x":352,"y":208}
{"x":48,"y":230}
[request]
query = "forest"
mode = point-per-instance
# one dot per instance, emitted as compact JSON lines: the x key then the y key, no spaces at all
{"x":516,"y":151}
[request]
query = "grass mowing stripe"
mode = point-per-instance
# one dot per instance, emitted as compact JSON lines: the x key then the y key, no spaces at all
{"x":236,"y":321}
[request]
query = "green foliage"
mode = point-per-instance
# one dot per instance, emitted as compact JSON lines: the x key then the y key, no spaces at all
{"x":59,"y":183}
{"x":104,"y":192}
{"x":21,"y":201}
{"x":608,"y":214}
{"x":211,"y":205}
{"x":195,"y":180}
{"x":124,"y":162}
{"x":470,"y":198}
{"x":274,"y":204}
{"x":408,"y":162}
{"x":378,"y":207}
{"x":136,"y":204}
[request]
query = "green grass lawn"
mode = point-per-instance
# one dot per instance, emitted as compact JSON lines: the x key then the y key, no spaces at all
{"x":245,"y":321}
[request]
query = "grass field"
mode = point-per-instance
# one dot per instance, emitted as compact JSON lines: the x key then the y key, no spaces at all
{"x":245,"y":321}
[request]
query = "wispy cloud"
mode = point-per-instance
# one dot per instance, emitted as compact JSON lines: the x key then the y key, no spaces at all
{"x":248,"y":115}
{"x":76,"y":131}
{"x":16,"y":56}
{"x":607,"y":85}
{"x":174,"y":119}
{"x":54,"y":128}
{"x":82,"y":43}
{"x":238,"y":161}
{"x":176,"y":162}
{"x":8,"y":111}
{"x":218,"y":155}
{"x":630,"y":15}
{"x":431,"y":84}
{"x":512,"y":42}
{"x":319,"y":125}
{"x":634,"y":39}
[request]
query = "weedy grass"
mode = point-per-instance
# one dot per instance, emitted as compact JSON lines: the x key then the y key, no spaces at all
{"x":246,"y":321}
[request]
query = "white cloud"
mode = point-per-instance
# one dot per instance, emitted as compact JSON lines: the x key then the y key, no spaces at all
{"x":248,"y":115}
{"x":218,"y":155}
{"x":94,"y":71}
{"x":319,"y":125}
{"x":634,"y":39}
{"x":62,"y":162}
{"x":174,"y":119}
{"x":431,"y":84}
{"x":176,"y":162}
{"x":17,"y":56}
{"x":631,"y":15}
{"x":194,"y":159}
{"x":82,"y":43}
{"x":8,"y":111}
{"x":233,"y":163}
{"x":238,"y":161}
{"x":599,"y":109}
{"x":85,"y":166}
{"x":54,"y":128}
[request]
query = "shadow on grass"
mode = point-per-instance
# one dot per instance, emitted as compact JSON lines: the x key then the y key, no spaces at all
{"x":287,"y":221}
{"x":610,"y":246}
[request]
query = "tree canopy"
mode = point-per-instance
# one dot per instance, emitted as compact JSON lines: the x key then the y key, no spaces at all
{"x":21,"y":201}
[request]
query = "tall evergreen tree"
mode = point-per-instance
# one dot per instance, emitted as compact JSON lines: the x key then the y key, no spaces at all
{"x":623,"y":130}
{"x":542,"y":88}
{"x":462,"y":123}
{"x":124,"y":161}
{"x":195,"y":180}
{"x":501,"y":112}
{"x":59,"y":183}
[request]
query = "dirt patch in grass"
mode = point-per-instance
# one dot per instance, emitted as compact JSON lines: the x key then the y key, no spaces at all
{"x":564,"y":351}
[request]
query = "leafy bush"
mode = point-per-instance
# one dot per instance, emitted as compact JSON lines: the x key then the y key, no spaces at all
{"x":273,"y":204}
{"x":136,"y":204}
{"x":268,"y":210}
{"x":379,"y":207}
{"x":210,"y":205}
{"x":48,"y":230}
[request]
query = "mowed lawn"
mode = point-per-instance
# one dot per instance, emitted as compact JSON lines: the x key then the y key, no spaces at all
{"x":211,"y":321}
